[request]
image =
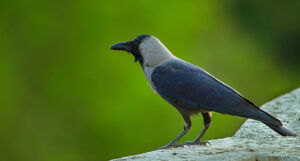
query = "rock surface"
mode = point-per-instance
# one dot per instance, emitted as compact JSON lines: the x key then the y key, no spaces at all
{"x":252,"y":142}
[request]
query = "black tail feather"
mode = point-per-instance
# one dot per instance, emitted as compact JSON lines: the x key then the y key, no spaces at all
{"x":256,"y":113}
{"x":281,"y":130}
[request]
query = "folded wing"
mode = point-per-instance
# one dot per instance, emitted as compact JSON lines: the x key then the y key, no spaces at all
{"x":192,"y":87}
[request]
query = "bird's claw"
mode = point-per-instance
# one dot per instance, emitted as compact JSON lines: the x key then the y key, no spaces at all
{"x":204,"y":143}
{"x":170,"y":146}
{"x":164,"y":147}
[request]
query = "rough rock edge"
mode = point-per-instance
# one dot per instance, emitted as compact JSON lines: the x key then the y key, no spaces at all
{"x":253,"y":141}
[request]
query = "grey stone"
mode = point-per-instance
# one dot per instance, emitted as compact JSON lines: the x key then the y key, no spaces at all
{"x":252,"y":142}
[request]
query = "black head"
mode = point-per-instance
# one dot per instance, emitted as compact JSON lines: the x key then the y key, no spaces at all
{"x":132,"y":47}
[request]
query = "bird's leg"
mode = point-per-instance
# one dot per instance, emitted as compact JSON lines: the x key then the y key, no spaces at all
{"x":207,"y":123}
{"x":186,"y":128}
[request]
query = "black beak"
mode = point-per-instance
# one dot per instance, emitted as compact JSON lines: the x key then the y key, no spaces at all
{"x":126,"y":46}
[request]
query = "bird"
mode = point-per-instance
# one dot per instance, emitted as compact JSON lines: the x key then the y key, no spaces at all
{"x":190,"y":89}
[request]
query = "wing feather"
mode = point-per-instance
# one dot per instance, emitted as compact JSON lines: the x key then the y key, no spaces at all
{"x":194,"y":88}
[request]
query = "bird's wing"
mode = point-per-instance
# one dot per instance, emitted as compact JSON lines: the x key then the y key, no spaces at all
{"x":194,"y":88}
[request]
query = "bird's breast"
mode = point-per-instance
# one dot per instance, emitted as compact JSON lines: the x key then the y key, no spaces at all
{"x":148,"y":74}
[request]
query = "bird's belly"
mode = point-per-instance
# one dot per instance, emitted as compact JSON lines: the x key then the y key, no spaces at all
{"x":187,"y":110}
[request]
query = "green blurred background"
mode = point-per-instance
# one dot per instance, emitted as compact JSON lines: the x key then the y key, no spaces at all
{"x":64,"y":96}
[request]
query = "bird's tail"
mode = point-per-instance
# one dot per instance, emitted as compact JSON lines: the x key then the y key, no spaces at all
{"x":269,"y":120}
{"x":281,"y":130}
{"x":272,"y":122}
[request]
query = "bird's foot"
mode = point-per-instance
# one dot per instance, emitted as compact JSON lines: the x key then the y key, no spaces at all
{"x":164,"y":147}
{"x":168,"y":146}
{"x":204,"y":143}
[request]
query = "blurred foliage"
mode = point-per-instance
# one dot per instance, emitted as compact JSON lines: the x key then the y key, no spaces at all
{"x":66,"y":97}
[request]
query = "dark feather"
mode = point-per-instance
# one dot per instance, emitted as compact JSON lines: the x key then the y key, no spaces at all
{"x":194,"y":88}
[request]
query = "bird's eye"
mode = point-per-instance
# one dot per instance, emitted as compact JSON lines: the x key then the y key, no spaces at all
{"x":136,"y":43}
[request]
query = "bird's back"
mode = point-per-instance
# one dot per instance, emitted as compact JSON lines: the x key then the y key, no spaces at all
{"x":191,"y":86}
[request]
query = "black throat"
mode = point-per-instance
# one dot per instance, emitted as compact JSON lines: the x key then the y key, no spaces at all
{"x":135,"y":49}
